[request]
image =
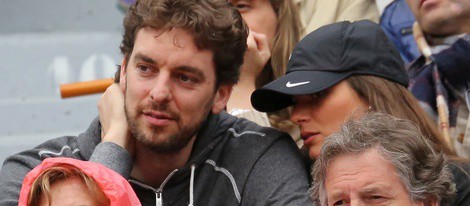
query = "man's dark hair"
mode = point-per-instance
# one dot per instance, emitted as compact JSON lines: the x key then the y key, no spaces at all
{"x":214,"y":24}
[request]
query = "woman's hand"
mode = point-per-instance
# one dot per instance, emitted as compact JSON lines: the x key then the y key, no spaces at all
{"x":256,"y":56}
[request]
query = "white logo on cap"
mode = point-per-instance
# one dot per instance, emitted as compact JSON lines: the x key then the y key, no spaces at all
{"x":289,"y":85}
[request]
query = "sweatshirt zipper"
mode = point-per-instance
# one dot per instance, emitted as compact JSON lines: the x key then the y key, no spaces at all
{"x":159,"y":191}
{"x":159,"y":200}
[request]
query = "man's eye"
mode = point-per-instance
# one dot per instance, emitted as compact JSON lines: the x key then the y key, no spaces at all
{"x":376,"y":199}
{"x":143,"y":68}
{"x":341,"y":202}
{"x":186,"y":79}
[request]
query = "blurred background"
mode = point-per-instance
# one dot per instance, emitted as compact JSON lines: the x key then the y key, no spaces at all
{"x":45,"y":43}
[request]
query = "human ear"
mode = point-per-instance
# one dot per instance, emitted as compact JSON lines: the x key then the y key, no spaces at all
{"x":432,"y":203}
{"x":429,"y":202}
{"x":221,"y":98}
{"x":122,"y":74}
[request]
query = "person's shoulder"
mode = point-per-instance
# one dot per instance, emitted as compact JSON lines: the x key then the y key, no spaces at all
{"x":60,"y":146}
{"x":245,"y":135}
{"x":247,"y":139}
{"x":460,"y":166}
{"x":460,"y":170}
{"x":268,"y":162}
{"x":80,"y":146}
{"x":245,"y":128}
{"x":241,"y":134}
{"x":16,"y":167}
{"x":260,"y":118}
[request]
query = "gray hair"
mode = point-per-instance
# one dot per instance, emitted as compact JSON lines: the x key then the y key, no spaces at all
{"x":422,"y":170}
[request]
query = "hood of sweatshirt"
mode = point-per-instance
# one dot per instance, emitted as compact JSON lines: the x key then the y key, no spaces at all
{"x":114,"y":186}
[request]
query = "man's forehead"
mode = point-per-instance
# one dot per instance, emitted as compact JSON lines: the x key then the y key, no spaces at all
{"x":176,"y":43}
{"x":368,"y":165}
{"x":180,"y":38}
{"x":190,"y":38}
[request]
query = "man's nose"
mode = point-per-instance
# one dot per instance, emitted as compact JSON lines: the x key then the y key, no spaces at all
{"x":161,"y":90}
{"x":357,"y":202}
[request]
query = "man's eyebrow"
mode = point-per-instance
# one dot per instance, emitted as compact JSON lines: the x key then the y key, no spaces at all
{"x":144,"y":58}
{"x":371,"y":190}
{"x":192,"y":70}
{"x":378,"y":188}
{"x":336,"y":195}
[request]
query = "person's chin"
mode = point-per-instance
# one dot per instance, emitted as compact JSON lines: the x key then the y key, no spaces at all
{"x":313,"y":153}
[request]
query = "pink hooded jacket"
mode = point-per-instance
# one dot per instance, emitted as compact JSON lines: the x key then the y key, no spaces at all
{"x":114,"y":186}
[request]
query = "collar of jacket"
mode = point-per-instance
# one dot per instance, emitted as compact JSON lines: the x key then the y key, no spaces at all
{"x":211,"y":133}
{"x":441,"y":43}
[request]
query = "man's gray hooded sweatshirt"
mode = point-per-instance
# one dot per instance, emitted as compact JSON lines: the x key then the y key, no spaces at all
{"x":233,"y":162}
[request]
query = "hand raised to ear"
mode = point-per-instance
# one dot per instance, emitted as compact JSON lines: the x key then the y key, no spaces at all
{"x":114,"y":125}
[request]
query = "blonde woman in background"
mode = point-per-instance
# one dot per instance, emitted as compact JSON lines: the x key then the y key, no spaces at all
{"x":275,"y":28}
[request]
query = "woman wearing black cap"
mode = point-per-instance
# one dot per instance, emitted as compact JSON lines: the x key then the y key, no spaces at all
{"x":343,"y":70}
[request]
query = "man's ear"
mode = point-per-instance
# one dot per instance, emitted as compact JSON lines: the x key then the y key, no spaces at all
{"x":122,"y":74}
{"x":430,"y":202}
{"x":221,"y":98}
{"x":433,"y":203}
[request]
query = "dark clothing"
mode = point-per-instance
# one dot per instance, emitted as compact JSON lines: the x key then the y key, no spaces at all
{"x":461,"y":173}
{"x":235,"y":162}
{"x":449,"y":75}
{"x":453,"y":66}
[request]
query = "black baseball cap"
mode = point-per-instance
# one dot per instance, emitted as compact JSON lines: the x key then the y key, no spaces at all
{"x":328,"y":55}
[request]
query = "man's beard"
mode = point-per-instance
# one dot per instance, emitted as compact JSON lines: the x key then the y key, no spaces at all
{"x":174,"y":142}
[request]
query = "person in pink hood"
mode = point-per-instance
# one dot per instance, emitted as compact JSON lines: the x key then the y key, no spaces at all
{"x":64,"y":181}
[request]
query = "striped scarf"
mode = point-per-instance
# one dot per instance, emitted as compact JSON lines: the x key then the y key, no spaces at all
{"x":448,"y":74}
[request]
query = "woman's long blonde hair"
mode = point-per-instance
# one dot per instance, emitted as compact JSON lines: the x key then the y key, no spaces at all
{"x":288,"y":33}
{"x":394,"y":99}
